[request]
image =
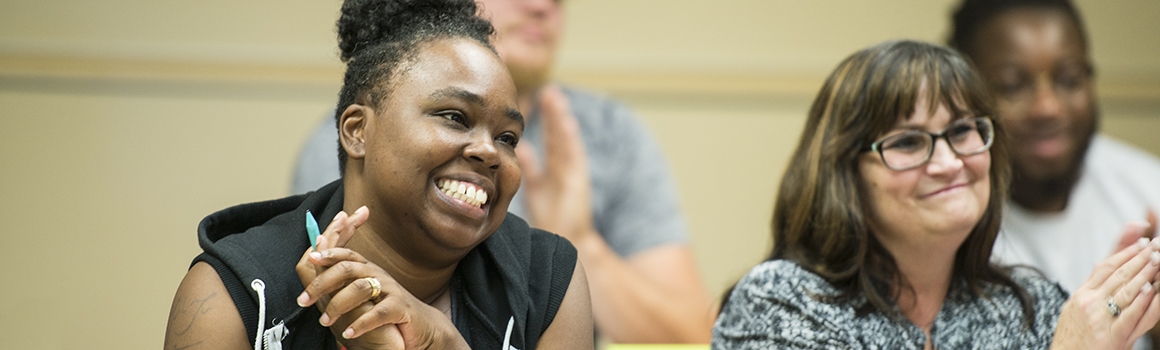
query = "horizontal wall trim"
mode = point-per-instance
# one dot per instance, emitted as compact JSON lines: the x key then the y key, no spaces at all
{"x":60,"y":70}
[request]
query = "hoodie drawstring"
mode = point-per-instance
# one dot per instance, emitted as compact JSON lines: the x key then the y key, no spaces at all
{"x":507,"y":338}
{"x":260,"y":287}
{"x":266,"y":339}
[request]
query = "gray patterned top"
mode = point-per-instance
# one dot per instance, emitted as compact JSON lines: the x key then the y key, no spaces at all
{"x":773,"y":308}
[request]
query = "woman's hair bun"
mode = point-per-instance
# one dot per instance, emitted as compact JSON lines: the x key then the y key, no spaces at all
{"x":365,"y":23}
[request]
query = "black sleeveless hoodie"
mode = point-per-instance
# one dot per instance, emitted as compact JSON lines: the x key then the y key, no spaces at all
{"x":518,"y":275}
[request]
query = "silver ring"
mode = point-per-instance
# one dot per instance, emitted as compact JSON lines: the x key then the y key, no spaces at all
{"x":375,"y":287}
{"x":1112,"y":307}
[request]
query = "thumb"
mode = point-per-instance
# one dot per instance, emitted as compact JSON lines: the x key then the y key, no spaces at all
{"x":1150,"y":232}
{"x":1133,"y":231}
{"x":394,"y":337}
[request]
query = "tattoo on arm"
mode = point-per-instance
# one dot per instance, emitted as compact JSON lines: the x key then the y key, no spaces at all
{"x":187,"y":313}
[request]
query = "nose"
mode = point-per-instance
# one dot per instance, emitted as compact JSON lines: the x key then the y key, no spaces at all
{"x":539,"y":6}
{"x":482,"y":150}
{"x":943,"y":160}
{"x":1046,"y":103}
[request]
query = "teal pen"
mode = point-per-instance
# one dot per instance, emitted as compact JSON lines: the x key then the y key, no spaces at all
{"x":312,"y":230}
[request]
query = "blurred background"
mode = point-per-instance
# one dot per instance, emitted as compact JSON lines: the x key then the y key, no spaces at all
{"x":124,"y":122}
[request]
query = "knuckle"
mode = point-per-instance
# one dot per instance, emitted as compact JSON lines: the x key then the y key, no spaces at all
{"x":1106,"y":268}
{"x":1123,"y":275}
{"x":380,"y":311}
{"x":345,"y":267}
{"x":317,"y":284}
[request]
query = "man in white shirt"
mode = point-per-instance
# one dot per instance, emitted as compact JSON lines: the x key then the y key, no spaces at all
{"x":1075,"y":196}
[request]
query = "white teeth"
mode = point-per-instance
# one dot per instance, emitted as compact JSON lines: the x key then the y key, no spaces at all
{"x":464,"y":191}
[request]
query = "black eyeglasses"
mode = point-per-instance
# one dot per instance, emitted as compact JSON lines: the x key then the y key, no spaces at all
{"x":912,"y":149}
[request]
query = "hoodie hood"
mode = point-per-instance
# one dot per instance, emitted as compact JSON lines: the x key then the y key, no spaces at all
{"x":505,"y":290}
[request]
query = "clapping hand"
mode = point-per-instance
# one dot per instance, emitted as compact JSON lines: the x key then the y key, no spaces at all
{"x":1131,"y":236}
{"x":1118,"y":303}
{"x":559,"y":195}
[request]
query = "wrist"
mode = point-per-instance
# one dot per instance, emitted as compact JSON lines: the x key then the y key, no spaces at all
{"x":585,"y":239}
{"x":450,"y":341}
{"x":592,"y":250}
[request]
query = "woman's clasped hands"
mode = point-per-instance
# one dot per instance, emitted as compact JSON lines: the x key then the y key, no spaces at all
{"x":361,"y":303}
{"x":1117,"y":304}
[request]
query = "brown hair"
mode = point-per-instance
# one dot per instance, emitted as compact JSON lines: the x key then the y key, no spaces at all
{"x":820,"y":216}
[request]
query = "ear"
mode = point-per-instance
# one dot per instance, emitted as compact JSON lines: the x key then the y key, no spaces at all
{"x":351,"y":128}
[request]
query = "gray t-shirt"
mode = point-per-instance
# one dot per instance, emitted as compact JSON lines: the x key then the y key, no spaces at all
{"x":634,"y":197}
{"x":776,"y":307}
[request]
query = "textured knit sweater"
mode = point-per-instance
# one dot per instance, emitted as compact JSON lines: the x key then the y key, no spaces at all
{"x":776,"y":306}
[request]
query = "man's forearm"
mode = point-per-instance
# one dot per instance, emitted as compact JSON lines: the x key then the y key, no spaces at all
{"x":655,"y":296}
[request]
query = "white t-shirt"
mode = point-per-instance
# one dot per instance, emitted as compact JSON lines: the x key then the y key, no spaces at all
{"x":1118,"y":184}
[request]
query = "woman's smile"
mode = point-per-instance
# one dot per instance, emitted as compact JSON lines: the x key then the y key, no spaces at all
{"x":444,"y":167}
{"x":944,"y":191}
{"x":465,"y":197}
{"x":944,"y":197}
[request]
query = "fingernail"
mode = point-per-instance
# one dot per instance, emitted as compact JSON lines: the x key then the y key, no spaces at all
{"x":316,"y":255}
{"x":1155,"y":258}
{"x":1155,"y":242}
{"x":1147,"y":287}
{"x":302,"y":299}
{"x":324,"y":320}
{"x":361,"y":210}
{"x":1142,"y":242}
{"x":348,"y":333}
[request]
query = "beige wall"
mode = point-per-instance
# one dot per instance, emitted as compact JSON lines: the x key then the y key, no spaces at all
{"x":124,"y":122}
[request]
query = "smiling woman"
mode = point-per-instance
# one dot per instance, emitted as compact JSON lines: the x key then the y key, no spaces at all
{"x":429,"y":258}
{"x":885,"y":220}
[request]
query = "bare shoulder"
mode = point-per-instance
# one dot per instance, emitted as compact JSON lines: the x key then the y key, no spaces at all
{"x":203,"y":316}
{"x":572,"y":326}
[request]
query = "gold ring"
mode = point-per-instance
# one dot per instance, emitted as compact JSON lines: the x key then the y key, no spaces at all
{"x":375,"y":286}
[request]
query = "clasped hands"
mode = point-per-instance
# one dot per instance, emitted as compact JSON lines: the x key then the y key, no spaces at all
{"x":336,"y":280}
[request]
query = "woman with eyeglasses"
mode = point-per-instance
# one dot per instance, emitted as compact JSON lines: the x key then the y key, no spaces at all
{"x":885,"y":220}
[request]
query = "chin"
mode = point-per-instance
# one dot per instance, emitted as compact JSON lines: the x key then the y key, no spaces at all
{"x":958,"y":218}
{"x":965,"y":224}
{"x":1044,"y":169}
{"x":460,"y":239}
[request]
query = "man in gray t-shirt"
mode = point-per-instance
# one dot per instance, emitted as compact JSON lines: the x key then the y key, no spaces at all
{"x":591,"y":173}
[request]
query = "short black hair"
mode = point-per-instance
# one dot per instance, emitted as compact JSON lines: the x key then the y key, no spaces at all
{"x":971,"y":15}
{"x":375,"y":36}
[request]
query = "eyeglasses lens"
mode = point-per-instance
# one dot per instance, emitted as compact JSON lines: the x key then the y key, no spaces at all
{"x":966,"y":137}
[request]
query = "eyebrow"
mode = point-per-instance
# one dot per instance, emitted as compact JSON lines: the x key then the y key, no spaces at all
{"x":516,"y":116}
{"x":473,"y":98}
